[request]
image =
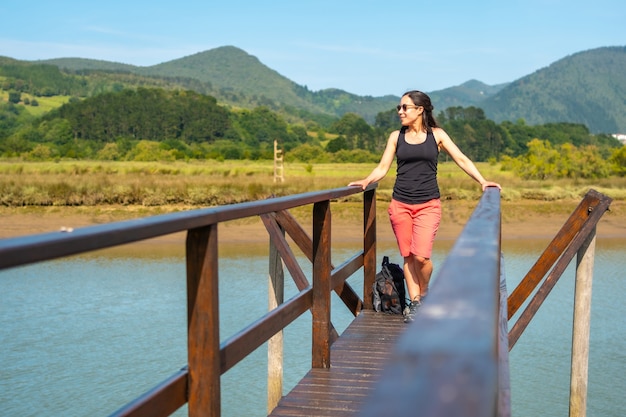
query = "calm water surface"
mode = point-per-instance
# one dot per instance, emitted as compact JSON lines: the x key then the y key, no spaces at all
{"x":84,"y":336}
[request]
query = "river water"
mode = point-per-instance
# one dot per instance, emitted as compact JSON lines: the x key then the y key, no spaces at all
{"x":85,"y":335}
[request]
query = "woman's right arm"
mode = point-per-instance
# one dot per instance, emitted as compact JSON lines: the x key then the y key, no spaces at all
{"x":383,"y":166}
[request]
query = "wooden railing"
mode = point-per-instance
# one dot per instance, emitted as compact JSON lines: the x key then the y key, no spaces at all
{"x":453,"y":360}
{"x":576,"y":237}
{"x":198,"y":383}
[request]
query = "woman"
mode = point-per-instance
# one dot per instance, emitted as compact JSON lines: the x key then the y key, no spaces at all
{"x":415,"y":209}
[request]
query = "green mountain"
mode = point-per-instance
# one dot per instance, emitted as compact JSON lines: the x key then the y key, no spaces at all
{"x":470,"y":93}
{"x":588,"y":88}
{"x":241,"y":80}
{"x":82,"y":64}
{"x":231,"y":69}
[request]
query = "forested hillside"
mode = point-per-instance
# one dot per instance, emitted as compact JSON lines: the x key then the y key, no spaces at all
{"x":587,"y":88}
{"x":470,"y":93}
{"x":241,"y":80}
{"x":48,"y":113}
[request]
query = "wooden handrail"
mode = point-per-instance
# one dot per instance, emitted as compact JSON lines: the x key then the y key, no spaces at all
{"x":556,"y":247}
{"x":447,"y":363}
{"x":35,"y":248}
{"x":576,"y":237}
{"x":198,"y":384}
{"x":453,"y":360}
{"x":273,"y":222}
{"x":559,"y":253}
{"x":162,"y":400}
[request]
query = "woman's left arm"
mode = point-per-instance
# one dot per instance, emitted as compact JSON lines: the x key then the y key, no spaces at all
{"x":445,"y":142}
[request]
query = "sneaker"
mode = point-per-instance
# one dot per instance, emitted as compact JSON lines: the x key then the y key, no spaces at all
{"x":410,"y":311}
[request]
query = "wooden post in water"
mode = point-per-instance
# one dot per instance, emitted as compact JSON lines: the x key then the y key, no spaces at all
{"x":276,"y":295}
{"x":580,"y":334}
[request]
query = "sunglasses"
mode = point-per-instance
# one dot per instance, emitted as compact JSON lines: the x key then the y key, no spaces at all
{"x":404,"y":107}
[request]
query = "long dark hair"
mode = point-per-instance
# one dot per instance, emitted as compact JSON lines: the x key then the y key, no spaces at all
{"x":421,"y":99}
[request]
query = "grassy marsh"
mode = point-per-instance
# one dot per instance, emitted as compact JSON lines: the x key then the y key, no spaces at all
{"x":206,"y":183}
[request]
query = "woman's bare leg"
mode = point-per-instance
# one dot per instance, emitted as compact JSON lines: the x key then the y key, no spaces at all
{"x":417,"y":272}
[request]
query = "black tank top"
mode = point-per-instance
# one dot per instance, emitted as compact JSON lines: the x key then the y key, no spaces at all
{"x":416,"y":175}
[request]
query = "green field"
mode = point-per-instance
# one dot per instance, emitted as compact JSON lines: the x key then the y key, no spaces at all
{"x":208,"y":183}
{"x":45,"y":104}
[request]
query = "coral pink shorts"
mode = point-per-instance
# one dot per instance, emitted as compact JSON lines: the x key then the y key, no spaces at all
{"x":415,"y":226}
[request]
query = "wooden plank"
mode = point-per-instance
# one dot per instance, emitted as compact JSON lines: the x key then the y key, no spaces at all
{"x":160,"y":401}
{"x":288,"y":257}
{"x":240,"y":345}
{"x":345,"y":292}
{"x":300,"y":237}
{"x":358,"y":359}
{"x":296,"y":232}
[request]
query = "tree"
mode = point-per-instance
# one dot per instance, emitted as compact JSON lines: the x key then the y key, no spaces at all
{"x":110,"y":152}
{"x":15,"y":97}
{"x":618,"y":160}
{"x":262,"y":126}
{"x":40,"y":153}
{"x":150,"y":151}
{"x":307,"y":153}
{"x":337,"y":144}
{"x":14,"y":146}
{"x":543,"y":161}
{"x":358,"y":134}
{"x":147,"y":114}
{"x":387,"y":121}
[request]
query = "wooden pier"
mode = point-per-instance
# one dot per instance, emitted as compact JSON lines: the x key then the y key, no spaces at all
{"x":358,"y":358}
{"x":453,"y":360}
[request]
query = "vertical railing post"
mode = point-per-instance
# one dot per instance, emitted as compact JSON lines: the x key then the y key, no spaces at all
{"x":580,"y":333}
{"x":203,"y":341}
{"x":276,"y":294}
{"x":369,"y":245}
{"x":321,"y":285}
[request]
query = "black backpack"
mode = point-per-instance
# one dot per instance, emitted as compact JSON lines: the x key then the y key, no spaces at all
{"x":388,"y":293}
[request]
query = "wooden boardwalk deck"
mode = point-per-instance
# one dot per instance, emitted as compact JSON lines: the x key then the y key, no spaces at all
{"x":357,"y":359}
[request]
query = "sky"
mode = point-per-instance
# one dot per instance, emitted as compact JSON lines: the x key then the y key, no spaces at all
{"x":364,"y":47}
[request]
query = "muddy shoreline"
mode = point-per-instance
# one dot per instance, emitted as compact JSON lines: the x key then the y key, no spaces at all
{"x":518,"y":222}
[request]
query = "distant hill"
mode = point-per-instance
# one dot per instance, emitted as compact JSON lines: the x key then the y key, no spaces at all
{"x":79,"y":64}
{"x":231,"y":69}
{"x":470,"y":93}
{"x":239,"y":79}
{"x":588,"y":88}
